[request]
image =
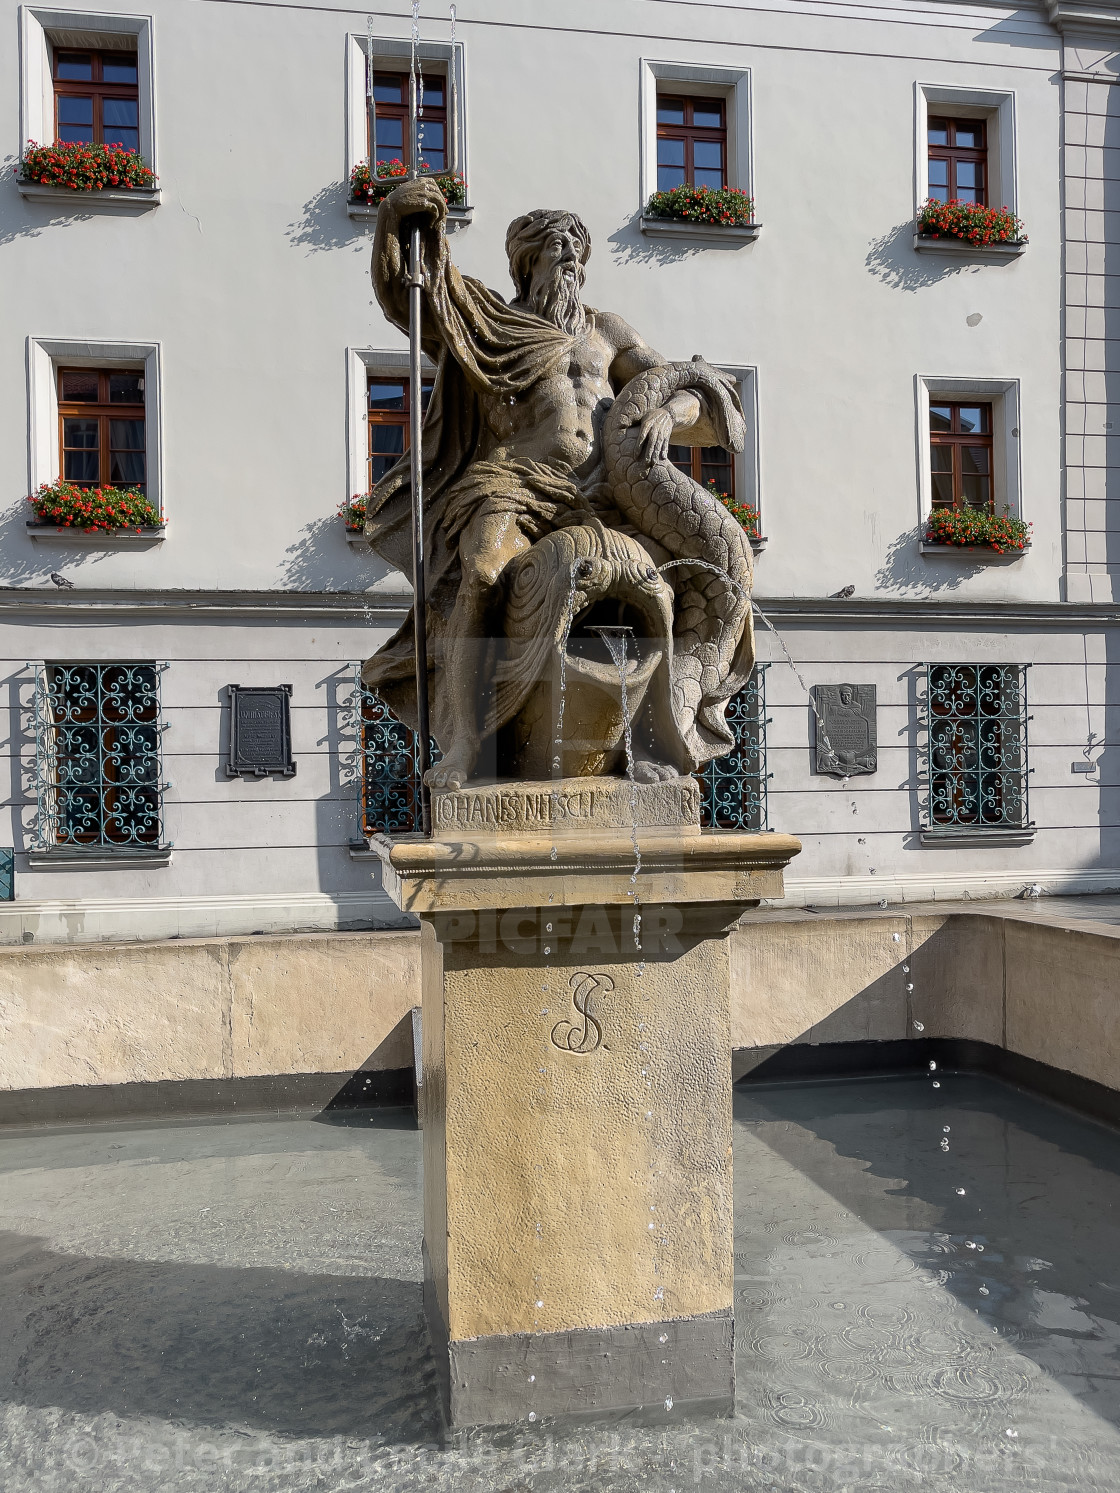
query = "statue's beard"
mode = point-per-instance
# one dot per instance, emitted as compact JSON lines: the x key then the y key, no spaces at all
{"x":558,"y":301}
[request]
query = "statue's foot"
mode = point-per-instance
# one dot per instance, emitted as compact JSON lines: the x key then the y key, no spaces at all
{"x":654,"y":772}
{"x":452,"y":772}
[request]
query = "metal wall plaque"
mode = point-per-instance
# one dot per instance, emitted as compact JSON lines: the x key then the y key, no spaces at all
{"x":844,"y":716}
{"x":260,"y":735}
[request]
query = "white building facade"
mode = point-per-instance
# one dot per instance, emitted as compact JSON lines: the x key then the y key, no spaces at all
{"x":230,"y":311}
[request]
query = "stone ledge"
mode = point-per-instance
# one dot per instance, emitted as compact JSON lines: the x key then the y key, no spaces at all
{"x":97,"y":538}
{"x":84,"y":199}
{"x":927,"y":244}
{"x":356,"y":539}
{"x":64,"y":859}
{"x":729,"y":235}
{"x":949,"y":837}
{"x":975,"y":553}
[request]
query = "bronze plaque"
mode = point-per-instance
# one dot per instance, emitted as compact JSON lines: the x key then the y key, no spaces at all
{"x":844,"y":715}
{"x":260,"y":735}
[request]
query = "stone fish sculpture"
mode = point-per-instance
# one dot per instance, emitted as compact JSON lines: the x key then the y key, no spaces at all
{"x":550,"y":504}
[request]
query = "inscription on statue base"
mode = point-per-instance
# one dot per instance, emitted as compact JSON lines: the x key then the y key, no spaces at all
{"x":573,"y":804}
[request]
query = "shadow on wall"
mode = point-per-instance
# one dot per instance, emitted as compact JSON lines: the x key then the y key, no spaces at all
{"x":324,"y":225}
{"x":23,"y":561}
{"x":268,"y":1349}
{"x":892,"y":260}
{"x":319,"y":559}
{"x":20,"y":218}
{"x":629,"y":245}
{"x":904,"y":568}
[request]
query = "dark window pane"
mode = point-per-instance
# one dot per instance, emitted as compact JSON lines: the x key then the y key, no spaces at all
{"x":969,"y":137}
{"x":939,"y":173}
{"x":125,"y":139}
{"x":974,"y":459}
{"x":74,"y":110}
{"x":126,"y":388}
{"x":120,"y":111}
{"x":670,"y":153}
{"x":69,"y":134}
{"x":433,"y":136}
{"x":669,"y":177}
{"x":434,"y":160}
{"x":119,"y":69}
{"x":938,"y":132}
{"x":80,"y":433}
{"x":425,"y":395}
{"x":126,"y":435}
{"x":941,"y":458}
{"x":80,"y":466}
{"x":389,"y":88}
{"x":707,"y":115}
{"x":390,"y":132}
{"x":974,"y":419}
{"x":942,"y":489}
{"x":707,"y":155}
{"x":386,"y":439}
{"x":967,"y":194}
{"x":74,"y":67}
{"x":78,"y":387}
{"x":940,"y":416}
{"x":670,"y":111}
{"x":976,"y":491}
{"x":711,"y":179}
{"x":939,"y":194}
{"x":126,"y":468}
{"x":433,"y":93}
{"x":968,"y":175}
{"x":681,"y":456}
{"x":384,"y":395}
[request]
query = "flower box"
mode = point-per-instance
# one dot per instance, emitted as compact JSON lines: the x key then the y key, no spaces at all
{"x":79,"y":515}
{"x":975,"y":534}
{"x":367,"y":191}
{"x":701,"y":212}
{"x":75,"y":167}
{"x":967,"y":228}
{"x":97,"y":538}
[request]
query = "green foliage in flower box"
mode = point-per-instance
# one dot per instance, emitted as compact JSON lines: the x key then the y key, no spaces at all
{"x":970,"y":223}
{"x":353,"y":513}
{"x":703,"y":205}
{"x":978,"y":529}
{"x":742,"y":512}
{"x":85,"y":168}
{"x":390,"y":174}
{"x":63,"y":505}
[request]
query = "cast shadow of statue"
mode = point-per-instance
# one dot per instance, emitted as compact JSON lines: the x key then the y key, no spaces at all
{"x":324,"y":225}
{"x":893,"y":260}
{"x":905,"y":569}
{"x":319,"y":559}
{"x":250,"y":1349}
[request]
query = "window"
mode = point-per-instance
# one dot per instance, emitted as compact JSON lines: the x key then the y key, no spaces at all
{"x":389,"y":779}
{"x":733,"y":788}
{"x":388,"y":405}
{"x":958,"y":160}
{"x":691,"y":142}
{"x":390,"y":97}
{"x":102,"y":428}
{"x":97,"y":731}
{"x":706,"y":464}
{"x":960,"y":456}
{"x":976,"y":721}
{"x":97,"y":97}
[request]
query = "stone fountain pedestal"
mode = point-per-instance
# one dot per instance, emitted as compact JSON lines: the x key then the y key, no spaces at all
{"x":577,"y":1093}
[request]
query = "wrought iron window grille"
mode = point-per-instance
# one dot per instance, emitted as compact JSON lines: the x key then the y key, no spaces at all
{"x":386,"y":766}
{"x":98,"y":757}
{"x":975,"y":759}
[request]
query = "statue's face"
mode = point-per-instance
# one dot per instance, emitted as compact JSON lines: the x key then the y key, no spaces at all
{"x":558,"y":259}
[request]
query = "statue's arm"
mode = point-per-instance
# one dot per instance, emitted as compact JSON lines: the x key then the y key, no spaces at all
{"x":413,"y":201}
{"x":673,"y":422}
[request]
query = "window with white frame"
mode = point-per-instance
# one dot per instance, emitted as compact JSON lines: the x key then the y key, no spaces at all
{"x":442,"y":65}
{"x":120,"y":384}
{"x":965,"y":146}
{"x":706,"y":126}
{"x":98,"y":762}
{"x":968,"y":445}
{"x":87,"y":76}
{"x":377,"y":414}
{"x":732,"y":476}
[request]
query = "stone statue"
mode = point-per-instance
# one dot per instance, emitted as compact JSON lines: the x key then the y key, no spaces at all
{"x":550,"y":504}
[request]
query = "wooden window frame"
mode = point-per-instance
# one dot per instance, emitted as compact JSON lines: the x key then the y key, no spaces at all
{"x":955,"y":439}
{"x":399,"y":417}
{"x":690,"y":133}
{"x":952,"y":153}
{"x":103,"y":412}
{"x":96,"y":89}
{"x":695,"y":466}
{"x":432,"y":115}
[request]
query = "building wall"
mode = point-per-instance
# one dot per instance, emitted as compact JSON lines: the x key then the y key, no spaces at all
{"x":254,"y":283}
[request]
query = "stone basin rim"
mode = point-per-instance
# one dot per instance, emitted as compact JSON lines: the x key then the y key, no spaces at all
{"x":661,"y":848}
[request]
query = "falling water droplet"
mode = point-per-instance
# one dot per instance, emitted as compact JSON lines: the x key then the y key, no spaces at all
{"x":959,"y":1191}
{"x":649,"y":1114}
{"x":896,"y":938}
{"x":984,"y":1291}
{"x":919,"y":1026}
{"x":1011,"y":1433}
{"x":944,"y":1144}
{"x":532,"y":1415}
{"x":540,"y":1303}
{"x":548,"y":949}
{"x":932,"y":1066}
{"x":909,"y":988}
{"x":905,"y":969}
{"x":553,"y":853}
{"x":936,"y":1084}
{"x":532,"y":1378}
{"x":664,"y":1338}
{"x":946,"y":1128}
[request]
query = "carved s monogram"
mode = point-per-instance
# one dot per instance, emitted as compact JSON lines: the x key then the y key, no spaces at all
{"x":570,"y":1036}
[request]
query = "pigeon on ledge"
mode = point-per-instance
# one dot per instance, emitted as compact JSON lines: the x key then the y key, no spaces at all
{"x":61,"y":582}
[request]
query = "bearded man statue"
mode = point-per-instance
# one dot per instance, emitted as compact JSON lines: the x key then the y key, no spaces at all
{"x":548,"y":418}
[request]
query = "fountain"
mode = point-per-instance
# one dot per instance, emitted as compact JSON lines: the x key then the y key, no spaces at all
{"x":582,"y":617}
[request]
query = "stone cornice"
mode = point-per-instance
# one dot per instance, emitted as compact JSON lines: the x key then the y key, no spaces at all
{"x":1070,"y":15}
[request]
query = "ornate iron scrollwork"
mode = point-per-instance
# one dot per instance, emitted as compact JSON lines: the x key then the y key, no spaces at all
{"x":976,"y":754}
{"x":389,"y":779}
{"x":733,"y":788}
